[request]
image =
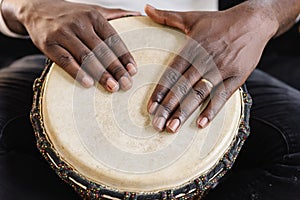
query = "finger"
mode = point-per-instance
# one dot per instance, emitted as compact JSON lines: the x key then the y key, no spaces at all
{"x":113,"y":65}
{"x":115,"y":43}
{"x":166,"y":82}
{"x":175,"y":95}
{"x":109,"y":60}
{"x":66,"y":61}
{"x":105,"y":31}
{"x":179,"y":65}
{"x":195,"y":97}
{"x":165,"y":17}
{"x":191,"y":102}
{"x":220,"y":97}
{"x":90,"y":63}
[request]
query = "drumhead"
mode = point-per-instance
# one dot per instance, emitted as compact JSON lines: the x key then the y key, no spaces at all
{"x":108,"y":138}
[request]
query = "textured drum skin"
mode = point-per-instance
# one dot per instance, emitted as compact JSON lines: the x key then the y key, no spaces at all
{"x":104,"y":145}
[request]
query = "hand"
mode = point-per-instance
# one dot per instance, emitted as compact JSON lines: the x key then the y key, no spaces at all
{"x":78,"y":38}
{"x":221,"y":51}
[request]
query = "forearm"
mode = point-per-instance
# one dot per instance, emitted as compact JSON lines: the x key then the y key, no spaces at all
{"x":283,"y":12}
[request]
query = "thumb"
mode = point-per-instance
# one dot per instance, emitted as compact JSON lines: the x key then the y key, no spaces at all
{"x":111,"y":14}
{"x":169,"y":18}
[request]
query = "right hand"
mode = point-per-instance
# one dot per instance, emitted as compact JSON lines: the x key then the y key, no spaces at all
{"x":220,"y":53}
{"x":78,"y":38}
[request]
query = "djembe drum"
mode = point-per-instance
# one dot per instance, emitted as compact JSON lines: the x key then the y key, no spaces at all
{"x":103,"y":144}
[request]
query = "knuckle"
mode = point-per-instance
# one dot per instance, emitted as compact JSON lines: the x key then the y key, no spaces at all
{"x":159,"y":96}
{"x":99,"y":48}
{"x":221,"y":72}
{"x":103,"y":27}
{"x":93,"y":14}
{"x":192,"y":51}
{"x":117,"y":70}
{"x":76,"y":24}
{"x":199,"y":94}
{"x":55,"y":35}
{"x":86,"y":57}
{"x":192,"y":78}
{"x":104,"y":54}
{"x":113,"y":40}
{"x":183,"y":114}
{"x":221,"y":62}
{"x":65,"y":60}
{"x":181,"y":89}
{"x":205,"y":63}
{"x":168,"y":106}
{"x":61,"y":32}
{"x":170,"y":77}
{"x":101,"y":24}
{"x":49,"y":39}
{"x":166,"y":110}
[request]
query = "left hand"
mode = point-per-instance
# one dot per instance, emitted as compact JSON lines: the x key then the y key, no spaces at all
{"x":77,"y":37}
{"x":221,"y":51}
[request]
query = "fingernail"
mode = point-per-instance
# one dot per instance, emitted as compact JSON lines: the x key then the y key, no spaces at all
{"x":173,"y":125}
{"x":131,"y":69}
{"x":202,"y":122}
{"x":125,"y":83}
{"x":153,"y":107}
{"x":112,"y":85}
{"x":87,"y":82}
{"x":159,"y":123}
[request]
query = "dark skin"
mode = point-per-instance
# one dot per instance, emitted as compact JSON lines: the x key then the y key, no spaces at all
{"x":228,"y":61}
{"x":223,"y":47}
{"x":77,"y":37}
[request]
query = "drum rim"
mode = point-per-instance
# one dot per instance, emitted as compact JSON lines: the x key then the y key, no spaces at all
{"x":89,"y":189}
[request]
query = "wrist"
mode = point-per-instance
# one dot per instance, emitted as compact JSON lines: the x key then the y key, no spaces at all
{"x":10,"y":12}
{"x":267,"y":14}
{"x":258,"y":16}
{"x":284,"y":12}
